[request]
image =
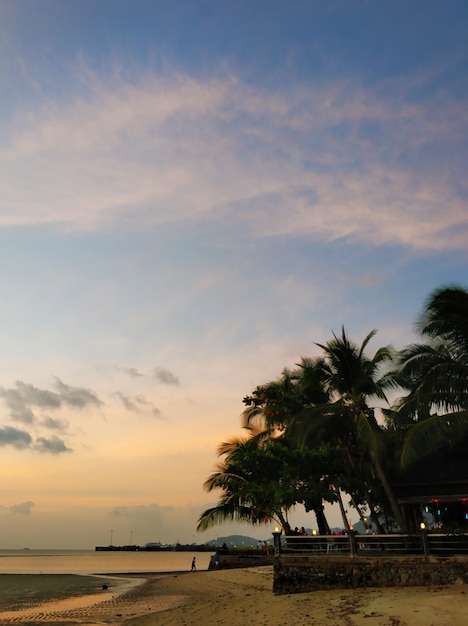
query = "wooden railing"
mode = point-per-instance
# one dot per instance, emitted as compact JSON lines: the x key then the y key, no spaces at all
{"x":421,"y":543}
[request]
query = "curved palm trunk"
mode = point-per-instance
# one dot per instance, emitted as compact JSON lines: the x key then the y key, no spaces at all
{"x":370,"y":500}
{"x":342,"y":509}
{"x":368,"y":425}
{"x":359,"y":512}
{"x":373,"y":514}
{"x":284,"y":523}
{"x":400,"y":520}
{"x":322,"y":522}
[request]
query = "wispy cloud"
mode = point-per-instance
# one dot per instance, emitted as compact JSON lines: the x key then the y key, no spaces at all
{"x":129,"y":404}
{"x":23,"y":396}
{"x":76,"y":397}
{"x":165,"y":376}
{"x":137,"y":404}
{"x":155,"y":521}
{"x":18,"y":439}
{"x":22,"y":440}
{"x":26,"y":402}
{"x":336,"y":161}
{"x":23,"y":508}
{"x":153,"y":511}
{"x":56,"y":424}
{"x":19,"y":412}
{"x":132,"y":372}
{"x":52,"y":445}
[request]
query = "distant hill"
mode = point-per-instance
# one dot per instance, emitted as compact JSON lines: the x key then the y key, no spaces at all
{"x":235,"y":541}
{"x":248,"y":542}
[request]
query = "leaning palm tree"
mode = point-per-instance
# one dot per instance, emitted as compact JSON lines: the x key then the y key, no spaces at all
{"x":248,"y":478}
{"x":435,"y":411}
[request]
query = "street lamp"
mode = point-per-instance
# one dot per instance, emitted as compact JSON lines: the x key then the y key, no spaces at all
{"x":424,"y":539}
{"x":277,"y":540}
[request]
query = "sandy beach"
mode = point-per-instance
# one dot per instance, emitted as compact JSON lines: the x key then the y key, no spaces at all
{"x":235,"y":597}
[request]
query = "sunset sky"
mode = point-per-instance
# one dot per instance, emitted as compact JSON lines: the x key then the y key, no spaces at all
{"x":193,"y":193}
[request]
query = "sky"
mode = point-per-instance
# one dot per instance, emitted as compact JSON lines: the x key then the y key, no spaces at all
{"x":192,"y":194}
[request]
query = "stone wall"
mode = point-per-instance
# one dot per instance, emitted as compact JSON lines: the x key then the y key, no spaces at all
{"x":231,"y":561}
{"x":296,"y":574}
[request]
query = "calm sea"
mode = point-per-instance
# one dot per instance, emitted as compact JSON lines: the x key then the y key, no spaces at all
{"x":92,"y":562}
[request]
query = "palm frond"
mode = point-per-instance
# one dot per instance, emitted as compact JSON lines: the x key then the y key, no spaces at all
{"x":364,"y":344}
{"x":437,"y":431}
{"x":370,"y":434}
{"x":222,"y":513}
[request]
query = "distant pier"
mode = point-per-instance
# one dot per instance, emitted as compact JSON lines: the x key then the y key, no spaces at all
{"x":158,"y":547}
{"x":134,"y":548}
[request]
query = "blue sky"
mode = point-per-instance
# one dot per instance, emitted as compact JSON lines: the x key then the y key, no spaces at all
{"x":192,"y":194}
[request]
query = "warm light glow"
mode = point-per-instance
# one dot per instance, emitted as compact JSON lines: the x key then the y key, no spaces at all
{"x":113,"y":398}
{"x":314,"y":532}
{"x":351,"y":527}
{"x":422,"y":525}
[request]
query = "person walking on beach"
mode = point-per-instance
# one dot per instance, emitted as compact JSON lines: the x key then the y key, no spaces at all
{"x":194,"y":564}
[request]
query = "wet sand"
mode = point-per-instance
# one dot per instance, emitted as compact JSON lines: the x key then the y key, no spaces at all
{"x":235,"y":598}
{"x":68,"y":599}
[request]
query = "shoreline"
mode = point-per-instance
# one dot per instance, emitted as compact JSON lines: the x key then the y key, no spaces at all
{"x":66,"y":598}
{"x":236,"y":597}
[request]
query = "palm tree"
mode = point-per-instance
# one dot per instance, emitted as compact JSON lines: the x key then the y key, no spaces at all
{"x":435,"y":411}
{"x":254,"y":486}
{"x":351,"y":379}
{"x":275,"y":408}
{"x":272,"y":408}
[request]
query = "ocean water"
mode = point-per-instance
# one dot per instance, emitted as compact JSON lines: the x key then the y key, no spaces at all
{"x":92,"y":562}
